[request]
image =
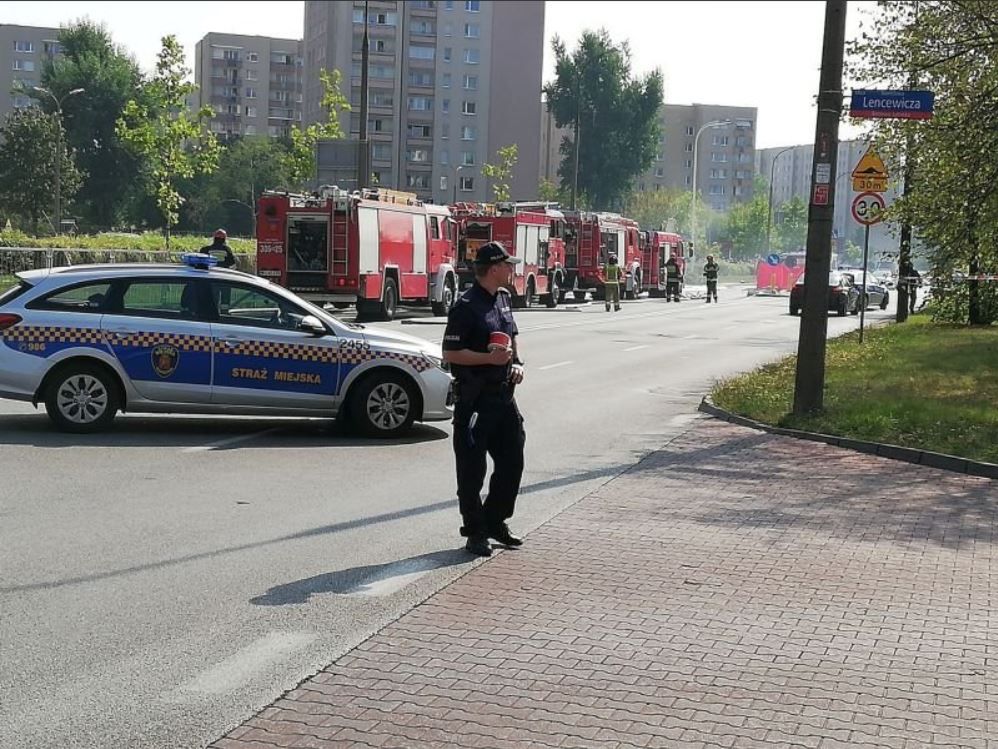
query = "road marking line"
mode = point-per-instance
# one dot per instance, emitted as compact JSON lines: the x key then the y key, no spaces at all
{"x":552,"y":366}
{"x":243,"y":665}
{"x":229,"y":441}
{"x":690,"y":337}
{"x":635,"y":348}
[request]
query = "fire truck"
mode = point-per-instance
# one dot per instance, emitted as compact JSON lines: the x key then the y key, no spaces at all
{"x":373,"y":248}
{"x":590,"y":239}
{"x":531,"y":231}
{"x":656,"y":248}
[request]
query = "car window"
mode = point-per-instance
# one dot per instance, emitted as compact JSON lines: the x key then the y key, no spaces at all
{"x":248,"y":305}
{"x":81,"y":298}
{"x":165,"y":298}
{"x":9,"y":294}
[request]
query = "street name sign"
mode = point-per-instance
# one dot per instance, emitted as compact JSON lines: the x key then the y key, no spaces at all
{"x":905,"y":105}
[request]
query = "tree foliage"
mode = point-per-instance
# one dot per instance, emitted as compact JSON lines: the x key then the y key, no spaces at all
{"x":791,"y":224}
{"x":300,"y":160}
{"x":664,"y":210}
{"x":28,"y":159}
{"x":615,"y":118}
{"x":502,"y":171}
{"x":173,"y":142}
{"x":747,"y":223}
{"x":109,"y":78}
{"x":949,"y":47}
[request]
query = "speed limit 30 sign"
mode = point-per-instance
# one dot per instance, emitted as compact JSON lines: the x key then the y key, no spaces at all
{"x":868,"y":208}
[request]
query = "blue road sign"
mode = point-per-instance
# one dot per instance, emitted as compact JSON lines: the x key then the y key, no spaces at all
{"x":903,"y":105}
{"x":773,"y":259}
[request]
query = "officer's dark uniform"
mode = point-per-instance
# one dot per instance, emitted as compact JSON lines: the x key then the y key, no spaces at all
{"x":486,"y":417}
{"x":710,"y":273}
{"x":220,"y":246}
{"x":673,"y":279}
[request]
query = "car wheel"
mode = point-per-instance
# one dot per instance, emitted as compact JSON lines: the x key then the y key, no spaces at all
{"x":794,"y":311}
{"x":82,"y":398}
{"x":383,"y":404}
{"x":885,"y":301}
{"x":843,"y":308}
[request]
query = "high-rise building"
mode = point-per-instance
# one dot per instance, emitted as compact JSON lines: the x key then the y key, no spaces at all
{"x":23,"y":50}
{"x":450,"y":82}
{"x":253,"y":84}
{"x":791,"y":177}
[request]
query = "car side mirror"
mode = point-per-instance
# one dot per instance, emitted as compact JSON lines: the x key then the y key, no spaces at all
{"x":313,"y":325}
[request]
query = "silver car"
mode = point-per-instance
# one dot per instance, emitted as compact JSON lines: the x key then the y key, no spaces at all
{"x":89,"y":341}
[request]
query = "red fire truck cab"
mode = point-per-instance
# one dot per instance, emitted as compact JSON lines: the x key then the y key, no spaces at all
{"x":374,"y":248}
{"x":656,"y":248}
{"x":532,"y":232}
{"x":590,"y":240}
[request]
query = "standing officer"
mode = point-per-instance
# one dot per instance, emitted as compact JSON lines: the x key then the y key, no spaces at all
{"x":219,"y":245}
{"x":673,"y":279}
{"x":710,"y":273}
{"x":611,"y":283}
{"x":480,"y":346}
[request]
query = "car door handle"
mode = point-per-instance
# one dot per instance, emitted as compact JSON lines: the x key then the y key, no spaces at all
{"x":120,"y":333}
{"x":229,"y":342}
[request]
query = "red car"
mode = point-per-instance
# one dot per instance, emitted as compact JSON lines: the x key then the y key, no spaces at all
{"x":842,"y":296}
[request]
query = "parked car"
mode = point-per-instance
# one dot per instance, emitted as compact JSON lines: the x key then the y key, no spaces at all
{"x":876,"y":291}
{"x":89,"y":341}
{"x":842,"y":296}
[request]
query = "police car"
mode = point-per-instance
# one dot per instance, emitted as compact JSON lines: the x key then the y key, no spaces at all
{"x":89,"y":341}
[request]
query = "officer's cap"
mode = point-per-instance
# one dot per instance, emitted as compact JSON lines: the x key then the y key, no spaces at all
{"x":492,"y":253}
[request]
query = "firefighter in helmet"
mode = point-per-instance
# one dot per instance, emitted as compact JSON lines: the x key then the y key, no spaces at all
{"x":219,"y":246}
{"x":673,"y":279}
{"x":611,"y":281}
{"x":710,"y":273}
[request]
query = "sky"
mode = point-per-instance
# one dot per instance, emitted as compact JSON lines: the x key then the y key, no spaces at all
{"x":748,"y":53}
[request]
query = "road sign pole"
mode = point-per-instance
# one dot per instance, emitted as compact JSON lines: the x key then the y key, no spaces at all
{"x":866,"y":259}
{"x":809,"y":381}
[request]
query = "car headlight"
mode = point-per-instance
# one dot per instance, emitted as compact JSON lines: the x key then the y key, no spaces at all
{"x":436,"y":361}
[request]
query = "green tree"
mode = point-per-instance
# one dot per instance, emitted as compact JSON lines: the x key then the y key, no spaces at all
{"x":501,"y":172}
{"x":614,"y":117}
{"x":300,"y":161}
{"x":549,"y":192}
{"x":28,"y":159}
{"x":173,"y":142}
{"x":791,"y":224}
{"x":949,"y":47}
{"x":747,"y":223}
{"x":109,"y":79}
{"x":667,"y":209}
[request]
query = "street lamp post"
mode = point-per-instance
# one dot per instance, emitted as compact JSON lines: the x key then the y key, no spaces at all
{"x":693,"y":204}
{"x":457,"y":169}
{"x":769,"y":212}
{"x":58,"y":152}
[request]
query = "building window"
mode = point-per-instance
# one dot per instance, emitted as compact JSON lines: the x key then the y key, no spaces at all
{"x":448,"y":4}
{"x":20,"y":102}
{"x":689,"y":130}
{"x":744,"y":158}
{"x":741,"y":174}
{"x":420,"y":103}
{"x":424,"y":4}
{"x":376,"y":177}
{"x":445,"y":106}
{"x":472,"y":31}
{"x":382,"y":100}
{"x":720,"y":140}
{"x":251,"y":75}
{"x":448,"y":29}
{"x":421,"y":78}
{"x":469,"y":107}
{"x":420,"y":131}
{"x":472,"y":6}
{"x":378,"y":125}
{"x":250,"y":130}
{"x":716,"y":190}
{"x":468,"y":158}
{"x":24,"y":46}
{"x":423,"y":27}
{"x":467,"y":133}
{"x":689,"y":180}
{"x":381,"y":151}
{"x":689,"y":163}
{"x":417,"y":52}
{"x":418,"y":155}
{"x":447,"y":54}
{"x":252,"y":57}
{"x":250,"y":93}
{"x":381,"y":19}
{"x":738,"y":191}
{"x":689,"y":148}
{"x":658,"y":156}
{"x":719,"y":157}
{"x":445,"y":80}
{"x":445,"y":130}
{"x":472,"y":56}
{"x":718,"y":173}
{"x":28,"y":66}
{"x":52,"y":48}
{"x":467,"y":184}
{"x":741,"y":140}
{"x":471,"y":83}
{"x":381,"y":46}
{"x":443,"y":182}
{"x":659,"y":171}
{"x":251,"y":111}
{"x":444,"y":158}
{"x":418,"y":181}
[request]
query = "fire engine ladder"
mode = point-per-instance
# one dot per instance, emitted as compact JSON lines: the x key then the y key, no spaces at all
{"x":339,"y":242}
{"x":586,"y":257}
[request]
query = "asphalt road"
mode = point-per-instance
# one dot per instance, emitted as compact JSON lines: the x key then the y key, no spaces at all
{"x":162,"y":582}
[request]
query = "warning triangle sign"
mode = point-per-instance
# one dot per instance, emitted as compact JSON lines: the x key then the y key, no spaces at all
{"x":871,"y":165}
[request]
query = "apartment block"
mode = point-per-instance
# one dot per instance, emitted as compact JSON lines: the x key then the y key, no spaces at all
{"x":791,"y":177}
{"x":450,"y":82}
{"x":23,"y":50}
{"x":253,"y":84}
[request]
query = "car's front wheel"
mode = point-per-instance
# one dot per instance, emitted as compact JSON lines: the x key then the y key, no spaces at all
{"x":383,"y":404}
{"x":81,"y":398}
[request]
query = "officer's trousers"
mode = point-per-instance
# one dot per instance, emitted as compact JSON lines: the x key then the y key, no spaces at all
{"x":712,"y":290}
{"x":672,"y":290}
{"x":612,"y":295}
{"x":498,"y":431}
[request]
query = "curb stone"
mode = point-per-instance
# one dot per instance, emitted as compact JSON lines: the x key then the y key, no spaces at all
{"x":952,"y":463}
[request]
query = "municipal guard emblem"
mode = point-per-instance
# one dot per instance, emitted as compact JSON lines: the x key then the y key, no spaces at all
{"x":165,"y":359}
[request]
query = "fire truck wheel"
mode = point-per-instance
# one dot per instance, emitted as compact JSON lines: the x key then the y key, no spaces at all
{"x":383,"y":404}
{"x":551,"y":299}
{"x":443,"y":306}
{"x":390,"y":301}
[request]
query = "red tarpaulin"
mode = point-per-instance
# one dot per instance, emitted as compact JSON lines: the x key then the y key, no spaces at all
{"x":776,"y":277}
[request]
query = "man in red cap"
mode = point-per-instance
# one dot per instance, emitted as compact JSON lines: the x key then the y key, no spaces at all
{"x":480,"y":347}
{"x":218,"y":245}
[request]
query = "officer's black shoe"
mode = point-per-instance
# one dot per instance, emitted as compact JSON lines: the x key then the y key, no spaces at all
{"x":501,"y":534}
{"x":479,"y":546}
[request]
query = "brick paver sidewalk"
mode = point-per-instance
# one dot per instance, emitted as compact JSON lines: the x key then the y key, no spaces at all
{"x":734,"y":589}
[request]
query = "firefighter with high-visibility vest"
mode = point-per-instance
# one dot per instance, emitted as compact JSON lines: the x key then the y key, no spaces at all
{"x":673,"y":279}
{"x":710,"y":273}
{"x":612,"y":275}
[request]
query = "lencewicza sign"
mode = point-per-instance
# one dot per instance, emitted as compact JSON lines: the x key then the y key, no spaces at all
{"x":903,"y":105}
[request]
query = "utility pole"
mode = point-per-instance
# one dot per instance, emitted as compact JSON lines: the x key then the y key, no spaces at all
{"x":904,"y":244}
{"x":810,"y":377}
{"x":575,"y":179}
{"x":58,"y":147}
{"x":363,"y":157}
